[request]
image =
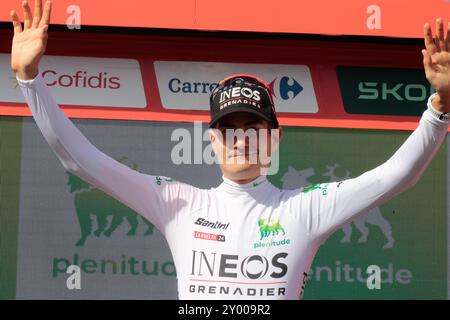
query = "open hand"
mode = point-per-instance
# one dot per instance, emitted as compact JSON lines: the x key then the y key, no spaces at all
{"x":29,"y":41}
{"x":436,"y":61}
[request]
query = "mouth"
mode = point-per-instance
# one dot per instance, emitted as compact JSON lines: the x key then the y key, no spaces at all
{"x":243,"y":158}
{"x":242,"y":155}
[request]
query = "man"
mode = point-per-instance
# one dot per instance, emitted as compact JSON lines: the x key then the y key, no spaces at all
{"x":212,"y":233}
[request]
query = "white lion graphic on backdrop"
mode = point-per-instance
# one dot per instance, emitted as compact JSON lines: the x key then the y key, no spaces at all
{"x":298,"y":178}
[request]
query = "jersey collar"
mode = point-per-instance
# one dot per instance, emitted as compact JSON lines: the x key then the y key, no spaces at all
{"x":259,"y":181}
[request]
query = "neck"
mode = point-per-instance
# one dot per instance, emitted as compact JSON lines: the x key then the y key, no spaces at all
{"x":252,"y":184}
{"x":240,"y":180}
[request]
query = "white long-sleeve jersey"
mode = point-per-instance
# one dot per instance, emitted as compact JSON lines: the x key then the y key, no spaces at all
{"x":250,"y":241}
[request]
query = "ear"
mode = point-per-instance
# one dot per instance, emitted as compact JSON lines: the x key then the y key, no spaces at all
{"x":280,"y":134}
{"x":215,"y":137}
{"x":277,"y":138}
{"x":212,"y":138}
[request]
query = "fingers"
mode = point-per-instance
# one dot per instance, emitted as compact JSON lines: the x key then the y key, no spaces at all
{"x":427,"y":63}
{"x":41,"y":18}
{"x":46,"y":14}
{"x":27,"y":15}
{"x":44,"y":30}
{"x":37,"y":13}
{"x":428,"y":38}
{"x":440,"y":42}
{"x":447,"y":37}
{"x":16,"y":22}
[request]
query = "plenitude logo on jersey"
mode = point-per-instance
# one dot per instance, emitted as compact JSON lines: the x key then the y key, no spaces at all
{"x":187,"y":85}
{"x":271,"y":234}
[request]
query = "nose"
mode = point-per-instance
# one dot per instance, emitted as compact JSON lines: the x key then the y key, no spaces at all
{"x":240,"y":141}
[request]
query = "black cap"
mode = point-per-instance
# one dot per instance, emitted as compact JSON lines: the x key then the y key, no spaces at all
{"x":242,"y":93}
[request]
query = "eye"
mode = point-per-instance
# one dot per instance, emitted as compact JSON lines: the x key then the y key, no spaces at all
{"x":223,"y":130}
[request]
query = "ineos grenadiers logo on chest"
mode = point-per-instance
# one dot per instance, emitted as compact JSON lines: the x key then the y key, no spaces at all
{"x":233,"y":274}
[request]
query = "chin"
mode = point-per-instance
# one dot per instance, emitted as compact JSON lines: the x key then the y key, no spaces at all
{"x":242,"y":171}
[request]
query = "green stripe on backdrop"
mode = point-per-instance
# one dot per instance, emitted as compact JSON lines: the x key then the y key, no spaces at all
{"x":10,"y":155}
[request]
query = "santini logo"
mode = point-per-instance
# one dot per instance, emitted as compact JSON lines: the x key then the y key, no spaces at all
{"x":215,"y":225}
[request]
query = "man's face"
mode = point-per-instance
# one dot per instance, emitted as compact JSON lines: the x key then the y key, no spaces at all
{"x":243,"y":144}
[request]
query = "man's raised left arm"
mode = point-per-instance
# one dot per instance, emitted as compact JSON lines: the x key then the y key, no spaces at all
{"x":343,"y":201}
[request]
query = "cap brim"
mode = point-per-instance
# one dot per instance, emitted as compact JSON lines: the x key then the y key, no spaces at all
{"x":236,"y":109}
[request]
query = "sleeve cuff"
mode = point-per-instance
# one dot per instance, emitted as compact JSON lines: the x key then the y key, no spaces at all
{"x":28,"y":83}
{"x":429,"y":117}
{"x":435,"y":113}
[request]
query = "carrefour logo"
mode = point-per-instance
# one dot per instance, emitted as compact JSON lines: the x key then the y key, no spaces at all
{"x":176,"y":85}
{"x":187,"y":85}
{"x":286,"y":88}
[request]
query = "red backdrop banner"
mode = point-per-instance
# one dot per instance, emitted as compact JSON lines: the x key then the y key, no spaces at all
{"x":169,"y":78}
{"x":393,"y":18}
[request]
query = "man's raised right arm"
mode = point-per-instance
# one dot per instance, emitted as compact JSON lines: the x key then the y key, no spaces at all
{"x":79,"y":156}
{"x":138,"y":191}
